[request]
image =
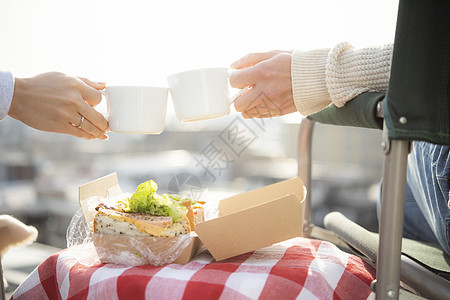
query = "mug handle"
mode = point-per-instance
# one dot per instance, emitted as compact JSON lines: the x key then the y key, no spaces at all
{"x":235,"y":96}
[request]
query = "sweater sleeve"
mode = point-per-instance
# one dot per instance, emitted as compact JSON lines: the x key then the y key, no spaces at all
{"x":6,"y":93}
{"x":337,"y":75}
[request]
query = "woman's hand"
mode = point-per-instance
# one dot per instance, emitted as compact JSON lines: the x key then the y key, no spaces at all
{"x":59,"y":103}
{"x":269,"y":77}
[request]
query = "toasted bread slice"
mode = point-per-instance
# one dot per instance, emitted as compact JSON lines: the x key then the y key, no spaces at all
{"x":114,"y":222}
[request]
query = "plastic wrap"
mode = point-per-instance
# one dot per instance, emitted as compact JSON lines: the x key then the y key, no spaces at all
{"x":119,"y":249}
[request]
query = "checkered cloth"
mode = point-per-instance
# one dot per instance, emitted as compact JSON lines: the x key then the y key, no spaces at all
{"x":298,"y":268}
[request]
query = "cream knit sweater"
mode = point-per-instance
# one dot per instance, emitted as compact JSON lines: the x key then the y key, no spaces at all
{"x":324,"y":76}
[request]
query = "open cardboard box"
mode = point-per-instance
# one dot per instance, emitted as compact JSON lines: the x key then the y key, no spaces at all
{"x":246,"y":221}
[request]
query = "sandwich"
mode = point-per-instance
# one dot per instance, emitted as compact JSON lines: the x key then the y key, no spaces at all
{"x":146,"y":213}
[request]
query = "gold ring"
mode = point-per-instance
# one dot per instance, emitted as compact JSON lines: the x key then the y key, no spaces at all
{"x":81,"y":122}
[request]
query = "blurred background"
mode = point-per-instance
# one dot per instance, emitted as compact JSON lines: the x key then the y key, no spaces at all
{"x":143,"y":42}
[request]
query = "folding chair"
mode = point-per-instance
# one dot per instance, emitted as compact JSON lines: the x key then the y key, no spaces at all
{"x":416,"y":107}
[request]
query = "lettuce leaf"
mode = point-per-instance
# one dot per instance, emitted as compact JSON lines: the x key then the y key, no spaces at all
{"x":145,"y":200}
{"x":179,"y":198}
{"x":176,"y":198}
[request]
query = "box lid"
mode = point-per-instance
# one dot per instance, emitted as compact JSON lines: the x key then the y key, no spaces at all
{"x":104,"y":186}
{"x":255,"y":219}
{"x":261,"y":195}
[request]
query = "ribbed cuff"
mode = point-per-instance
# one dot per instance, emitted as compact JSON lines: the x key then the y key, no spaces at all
{"x":6,"y":93}
{"x":308,"y":80}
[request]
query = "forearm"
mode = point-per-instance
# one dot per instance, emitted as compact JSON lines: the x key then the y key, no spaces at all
{"x":337,"y":75}
{"x":6,"y":93}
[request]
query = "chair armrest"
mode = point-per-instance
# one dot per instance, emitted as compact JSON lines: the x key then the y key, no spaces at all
{"x":359,"y":112}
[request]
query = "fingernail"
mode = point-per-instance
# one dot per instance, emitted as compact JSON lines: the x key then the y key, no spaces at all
{"x":105,"y":137}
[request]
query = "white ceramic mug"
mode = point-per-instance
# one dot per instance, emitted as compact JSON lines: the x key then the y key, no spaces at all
{"x":136,"y":109}
{"x":201,"y":94}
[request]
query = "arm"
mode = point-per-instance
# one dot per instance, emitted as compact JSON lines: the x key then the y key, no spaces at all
{"x":55,"y":102}
{"x":321,"y":77}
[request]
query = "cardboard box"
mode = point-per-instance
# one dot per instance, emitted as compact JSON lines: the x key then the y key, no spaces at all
{"x":246,"y":222}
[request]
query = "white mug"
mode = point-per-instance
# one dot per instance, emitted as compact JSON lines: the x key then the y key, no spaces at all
{"x":136,"y":109}
{"x":201,"y":94}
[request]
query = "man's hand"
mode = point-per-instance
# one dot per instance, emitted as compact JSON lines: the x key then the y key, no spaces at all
{"x":59,"y":103}
{"x":269,"y":76}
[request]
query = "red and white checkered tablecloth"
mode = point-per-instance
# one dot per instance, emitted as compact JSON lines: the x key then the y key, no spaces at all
{"x":299,"y":268}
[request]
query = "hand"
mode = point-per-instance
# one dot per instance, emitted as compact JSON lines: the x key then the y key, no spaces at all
{"x":56,"y":102}
{"x":269,"y":77}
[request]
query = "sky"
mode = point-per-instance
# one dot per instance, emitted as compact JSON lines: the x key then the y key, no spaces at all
{"x":143,"y":42}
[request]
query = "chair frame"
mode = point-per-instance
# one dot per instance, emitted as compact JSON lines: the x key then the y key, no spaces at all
{"x":389,"y":260}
